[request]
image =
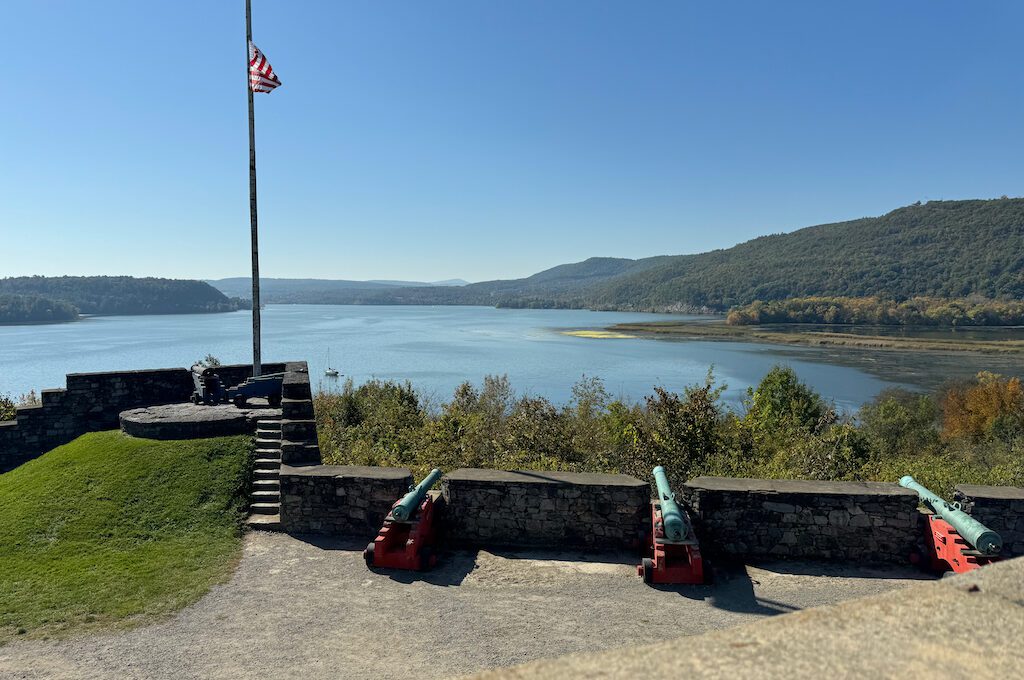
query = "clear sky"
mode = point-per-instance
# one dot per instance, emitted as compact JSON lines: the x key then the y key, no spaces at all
{"x":483,"y":139}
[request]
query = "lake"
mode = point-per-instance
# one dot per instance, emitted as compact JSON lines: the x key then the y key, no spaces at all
{"x":436,"y":348}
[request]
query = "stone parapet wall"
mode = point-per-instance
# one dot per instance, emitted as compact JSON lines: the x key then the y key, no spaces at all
{"x":93,"y":401}
{"x":544,"y":509}
{"x":342,"y":500}
{"x":851,"y":521}
{"x":1000,"y":508}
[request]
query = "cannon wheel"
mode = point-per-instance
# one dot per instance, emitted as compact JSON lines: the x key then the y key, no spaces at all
{"x":648,"y":565}
{"x":368,"y":555}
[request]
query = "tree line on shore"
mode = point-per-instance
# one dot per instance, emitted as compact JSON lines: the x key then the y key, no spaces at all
{"x":971,"y":431}
{"x":35,"y":309}
{"x":29,"y":299}
{"x":880,"y":311}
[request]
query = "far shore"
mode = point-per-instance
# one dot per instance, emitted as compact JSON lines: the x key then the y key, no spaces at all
{"x":795,"y":335}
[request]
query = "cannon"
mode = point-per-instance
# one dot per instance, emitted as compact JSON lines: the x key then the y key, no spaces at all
{"x":267,"y":386}
{"x":672,"y":553}
{"x":209,"y":389}
{"x":410,"y":532}
{"x":956,"y":541}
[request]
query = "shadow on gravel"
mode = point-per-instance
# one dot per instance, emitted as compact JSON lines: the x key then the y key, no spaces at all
{"x":563,"y":555}
{"x":333,"y":542}
{"x":835,"y":569}
{"x":451,"y":570}
{"x":733,"y":591}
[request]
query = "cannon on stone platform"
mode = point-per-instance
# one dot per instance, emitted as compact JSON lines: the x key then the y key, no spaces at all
{"x":954,"y":539}
{"x":266,"y":386}
{"x":673,"y":554}
{"x":209,"y":388}
{"x":410,"y":531}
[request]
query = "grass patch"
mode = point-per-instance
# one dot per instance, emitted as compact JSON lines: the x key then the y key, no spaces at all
{"x":816,"y":338}
{"x":112,"y":530}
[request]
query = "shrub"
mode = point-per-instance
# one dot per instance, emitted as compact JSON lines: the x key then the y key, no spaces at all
{"x":990,"y":405}
{"x":898,"y":421}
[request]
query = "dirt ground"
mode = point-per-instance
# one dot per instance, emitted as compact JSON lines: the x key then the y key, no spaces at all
{"x":310,"y":609}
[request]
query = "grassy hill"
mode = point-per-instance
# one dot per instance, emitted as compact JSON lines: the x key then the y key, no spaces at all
{"x":110,"y":529}
{"x":122,"y":294}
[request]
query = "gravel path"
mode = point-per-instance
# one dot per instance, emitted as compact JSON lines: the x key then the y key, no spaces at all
{"x":312,"y":610}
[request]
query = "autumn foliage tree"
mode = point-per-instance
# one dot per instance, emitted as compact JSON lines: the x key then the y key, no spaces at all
{"x":983,"y":407}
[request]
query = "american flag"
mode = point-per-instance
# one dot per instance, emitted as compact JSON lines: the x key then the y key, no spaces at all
{"x":261,"y":74}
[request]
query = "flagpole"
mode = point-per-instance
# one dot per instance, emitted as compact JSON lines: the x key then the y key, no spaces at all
{"x":256,"y":360}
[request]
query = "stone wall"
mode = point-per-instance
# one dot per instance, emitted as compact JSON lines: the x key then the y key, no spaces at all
{"x":544,"y":509}
{"x":93,"y":401}
{"x":758,"y":518}
{"x":343,"y":500}
{"x":1000,"y":508}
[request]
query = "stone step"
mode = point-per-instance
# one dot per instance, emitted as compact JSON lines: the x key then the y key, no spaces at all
{"x":297,"y":453}
{"x":265,"y":485}
{"x":298,"y":430}
{"x":265,"y":522}
{"x":269,"y":455}
{"x":264,"y":443}
{"x":265,"y":509}
{"x":296,"y":388}
{"x":296,"y":409}
{"x":274,"y":473}
{"x":265,"y":497}
{"x":272,"y":435}
{"x":267,"y":424}
{"x":267,"y":463}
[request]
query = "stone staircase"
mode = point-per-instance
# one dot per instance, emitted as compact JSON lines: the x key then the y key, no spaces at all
{"x":265,"y":498}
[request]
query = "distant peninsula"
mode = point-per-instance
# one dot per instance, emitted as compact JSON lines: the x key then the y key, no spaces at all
{"x":46,"y":299}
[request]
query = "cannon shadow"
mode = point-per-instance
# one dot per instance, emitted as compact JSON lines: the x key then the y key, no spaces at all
{"x":452,"y":565}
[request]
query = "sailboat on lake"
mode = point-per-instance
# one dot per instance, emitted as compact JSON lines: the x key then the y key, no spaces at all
{"x":330,"y":372}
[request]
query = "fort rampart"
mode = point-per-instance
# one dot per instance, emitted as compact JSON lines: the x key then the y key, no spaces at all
{"x":92,"y":401}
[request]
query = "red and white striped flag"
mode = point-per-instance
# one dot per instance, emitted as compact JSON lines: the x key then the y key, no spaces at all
{"x":261,"y":74}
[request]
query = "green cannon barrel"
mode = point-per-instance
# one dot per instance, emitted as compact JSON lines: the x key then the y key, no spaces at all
{"x":406,"y":507}
{"x":974,"y":532}
{"x":672,"y":517}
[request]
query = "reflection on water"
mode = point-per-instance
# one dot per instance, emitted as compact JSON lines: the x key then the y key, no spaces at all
{"x":436,"y":348}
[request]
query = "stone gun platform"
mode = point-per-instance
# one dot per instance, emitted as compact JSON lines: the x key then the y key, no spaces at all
{"x":191,"y":421}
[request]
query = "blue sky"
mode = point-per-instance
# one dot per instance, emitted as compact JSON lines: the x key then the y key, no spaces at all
{"x":484,"y":139}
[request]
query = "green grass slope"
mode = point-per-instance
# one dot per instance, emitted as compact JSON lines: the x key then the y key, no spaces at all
{"x":945,"y":249}
{"x":110,"y":530}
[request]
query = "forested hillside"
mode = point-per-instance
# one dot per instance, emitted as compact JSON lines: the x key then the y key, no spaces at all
{"x":941,"y":249}
{"x":34,"y":309}
{"x":121,"y":294}
{"x":945,"y":249}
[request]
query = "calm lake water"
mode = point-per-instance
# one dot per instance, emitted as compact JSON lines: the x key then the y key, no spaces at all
{"x":436,"y":348}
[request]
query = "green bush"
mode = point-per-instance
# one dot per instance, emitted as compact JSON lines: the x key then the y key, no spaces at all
{"x":784,"y":430}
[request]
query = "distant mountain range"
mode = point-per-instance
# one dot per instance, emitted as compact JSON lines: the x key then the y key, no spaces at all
{"x":949,"y":249}
{"x":312,"y":291}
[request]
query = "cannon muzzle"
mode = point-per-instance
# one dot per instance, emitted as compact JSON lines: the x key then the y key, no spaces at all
{"x":673,"y":519}
{"x":974,"y":532}
{"x":406,"y":508}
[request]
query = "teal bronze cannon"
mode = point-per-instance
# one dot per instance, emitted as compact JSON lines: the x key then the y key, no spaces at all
{"x":671,"y":553}
{"x":957,"y":540}
{"x":405,"y":508}
{"x":411,"y":530}
{"x":676,"y":527}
